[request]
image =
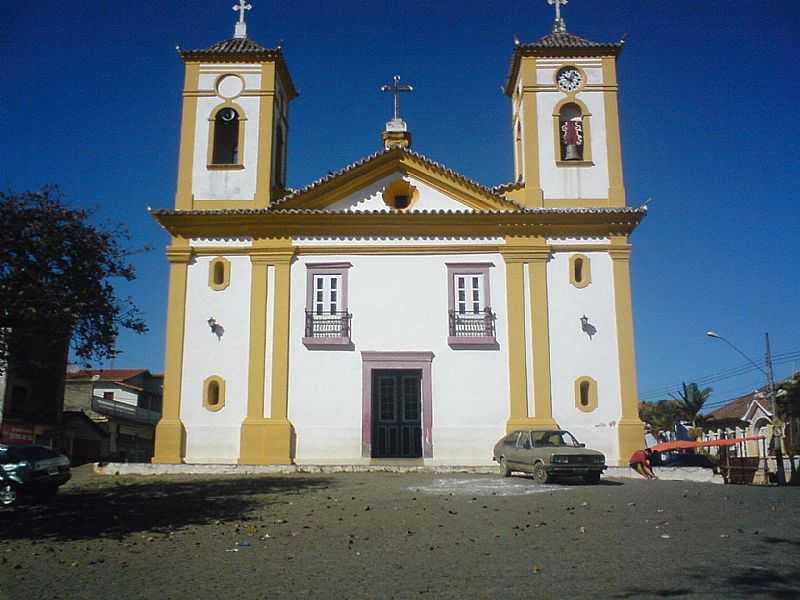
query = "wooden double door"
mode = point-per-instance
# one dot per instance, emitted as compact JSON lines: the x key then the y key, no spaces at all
{"x":396,"y":413}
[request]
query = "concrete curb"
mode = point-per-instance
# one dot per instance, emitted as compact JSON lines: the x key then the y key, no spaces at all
{"x":695,"y":474}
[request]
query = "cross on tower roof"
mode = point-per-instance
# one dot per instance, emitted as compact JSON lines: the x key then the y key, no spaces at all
{"x":395,"y":88}
{"x":241,"y":27}
{"x":558,"y":25}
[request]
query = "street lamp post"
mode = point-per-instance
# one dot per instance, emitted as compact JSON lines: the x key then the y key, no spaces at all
{"x":770,"y":391}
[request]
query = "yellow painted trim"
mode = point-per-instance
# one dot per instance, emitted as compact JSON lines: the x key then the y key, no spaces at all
{"x":226,"y":273}
{"x":530,"y":135}
{"x":587,"y":134}
{"x":540,"y":320}
{"x":170,"y":434}
{"x":517,"y":369}
{"x":592,"y":396}
{"x":268,"y":441}
{"x":220,"y":393}
{"x":586,"y":268}
{"x":406,"y":224}
{"x":392,"y":250}
{"x":631,"y":429}
{"x":616,"y":185}
{"x":183,"y":195}
{"x":266,"y":138}
{"x":212,"y":118}
{"x":573,"y":202}
{"x":223,"y":204}
{"x":575,"y":247}
{"x":400,"y":187}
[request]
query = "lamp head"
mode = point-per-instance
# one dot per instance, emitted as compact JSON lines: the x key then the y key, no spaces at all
{"x":713,"y":334}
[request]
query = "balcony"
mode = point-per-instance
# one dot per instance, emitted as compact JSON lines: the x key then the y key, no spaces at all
{"x":123,"y":410}
{"x":472,"y":330}
{"x":327,"y":329}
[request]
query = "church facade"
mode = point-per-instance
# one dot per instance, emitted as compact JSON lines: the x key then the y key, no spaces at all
{"x":395,"y":309}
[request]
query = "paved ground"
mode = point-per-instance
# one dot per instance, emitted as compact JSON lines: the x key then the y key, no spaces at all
{"x":381,"y":535}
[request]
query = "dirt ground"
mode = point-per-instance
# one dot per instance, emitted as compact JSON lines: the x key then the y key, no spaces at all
{"x":380,"y":535}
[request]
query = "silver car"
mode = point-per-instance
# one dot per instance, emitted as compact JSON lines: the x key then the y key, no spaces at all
{"x":547,"y":453}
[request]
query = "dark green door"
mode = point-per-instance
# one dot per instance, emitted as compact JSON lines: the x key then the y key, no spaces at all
{"x":396,"y":414}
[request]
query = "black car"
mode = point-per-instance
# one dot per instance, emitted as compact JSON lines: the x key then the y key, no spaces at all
{"x":34,"y":470}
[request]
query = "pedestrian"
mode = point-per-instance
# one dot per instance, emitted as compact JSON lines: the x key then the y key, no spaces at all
{"x":640,"y":462}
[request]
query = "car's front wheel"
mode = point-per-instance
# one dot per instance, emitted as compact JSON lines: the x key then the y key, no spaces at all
{"x":504,"y":468}
{"x":8,"y":493}
{"x":540,"y":473}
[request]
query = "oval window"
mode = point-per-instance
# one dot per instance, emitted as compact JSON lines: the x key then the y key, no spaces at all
{"x":584,"y":393}
{"x":213,"y":393}
{"x":219,"y":273}
{"x":578,"y":270}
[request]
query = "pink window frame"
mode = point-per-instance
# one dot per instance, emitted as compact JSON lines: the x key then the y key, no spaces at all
{"x":488,"y":342}
{"x":342,"y":269}
{"x":420,"y":361}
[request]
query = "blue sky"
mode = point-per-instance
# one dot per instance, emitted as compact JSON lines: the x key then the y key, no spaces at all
{"x":708,"y":92}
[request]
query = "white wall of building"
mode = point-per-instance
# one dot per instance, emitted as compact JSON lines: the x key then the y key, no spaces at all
{"x":214,"y":436}
{"x":371,"y":199}
{"x":226,"y":184}
{"x":574,"y":354}
{"x":398,"y":303}
{"x":120,"y":395}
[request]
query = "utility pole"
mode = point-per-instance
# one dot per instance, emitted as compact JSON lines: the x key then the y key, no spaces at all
{"x":777,"y":422}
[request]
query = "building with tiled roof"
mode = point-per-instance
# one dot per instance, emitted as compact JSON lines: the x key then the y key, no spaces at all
{"x":395,"y":308}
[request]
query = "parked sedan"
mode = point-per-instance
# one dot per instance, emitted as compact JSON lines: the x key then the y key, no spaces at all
{"x":30,"y":470}
{"x":546,"y":453}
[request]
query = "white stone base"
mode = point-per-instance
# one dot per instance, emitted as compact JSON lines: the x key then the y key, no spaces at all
{"x":217,"y":469}
{"x":697,"y":474}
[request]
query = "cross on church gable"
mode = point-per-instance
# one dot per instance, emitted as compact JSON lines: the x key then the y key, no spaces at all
{"x":396,"y":88}
{"x":558,"y":26}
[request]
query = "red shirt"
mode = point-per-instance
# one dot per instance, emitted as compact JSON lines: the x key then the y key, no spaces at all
{"x":638,"y":457}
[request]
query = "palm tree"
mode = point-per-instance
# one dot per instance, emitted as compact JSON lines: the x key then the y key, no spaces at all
{"x":690,"y":402}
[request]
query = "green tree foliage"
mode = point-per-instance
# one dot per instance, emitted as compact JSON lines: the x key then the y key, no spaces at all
{"x":56,"y":270}
{"x":661,"y":415}
{"x":690,"y":402}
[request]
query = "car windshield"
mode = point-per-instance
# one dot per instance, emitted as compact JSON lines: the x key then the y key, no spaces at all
{"x":31,"y":453}
{"x":554,"y":438}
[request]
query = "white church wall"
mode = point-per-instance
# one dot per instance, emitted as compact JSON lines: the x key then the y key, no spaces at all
{"x":226,"y":184}
{"x":370,"y":198}
{"x":214,"y":436}
{"x":574,"y":354}
{"x":573,"y":182}
{"x":398,"y":241}
{"x":398,"y":303}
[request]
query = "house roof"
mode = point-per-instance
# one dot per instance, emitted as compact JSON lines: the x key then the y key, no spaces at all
{"x":241,"y":50}
{"x":117,"y":375}
{"x":558,"y":44}
{"x":736,"y":409}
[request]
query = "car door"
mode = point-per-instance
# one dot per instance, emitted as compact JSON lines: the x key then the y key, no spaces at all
{"x":509,"y":447}
{"x":524,"y":451}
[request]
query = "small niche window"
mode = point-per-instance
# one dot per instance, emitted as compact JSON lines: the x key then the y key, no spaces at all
{"x":580,"y":274}
{"x":400,"y":195}
{"x":214,"y":393}
{"x":585,"y":394}
{"x":219,"y":274}
{"x":279,"y":159}
{"x":226,"y":137}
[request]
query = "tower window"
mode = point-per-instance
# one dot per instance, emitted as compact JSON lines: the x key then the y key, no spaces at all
{"x":571,"y":132}
{"x":279,"y":159}
{"x":226,"y":137}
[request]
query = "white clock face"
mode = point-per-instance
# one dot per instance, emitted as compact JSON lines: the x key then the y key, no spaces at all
{"x":569,"y":79}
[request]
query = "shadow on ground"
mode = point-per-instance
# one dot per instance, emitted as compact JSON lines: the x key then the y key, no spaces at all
{"x":117,"y":508}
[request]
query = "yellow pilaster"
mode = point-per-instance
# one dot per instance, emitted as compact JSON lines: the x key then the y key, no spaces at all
{"x":534,"y":196}
{"x":265,"y":136}
{"x":616,"y":187}
{"x":170,"y":436}
{"x":631,"y":429}
{"x":183,"y":196}
{"x":517,"y":369}
{"x":517,"y":253}
{"x":268,"y":440}
{"x":540,"y":319}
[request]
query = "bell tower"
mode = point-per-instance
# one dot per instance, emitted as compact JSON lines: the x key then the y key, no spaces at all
{"x":235,"y":123}
{"x":565,"y":121}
